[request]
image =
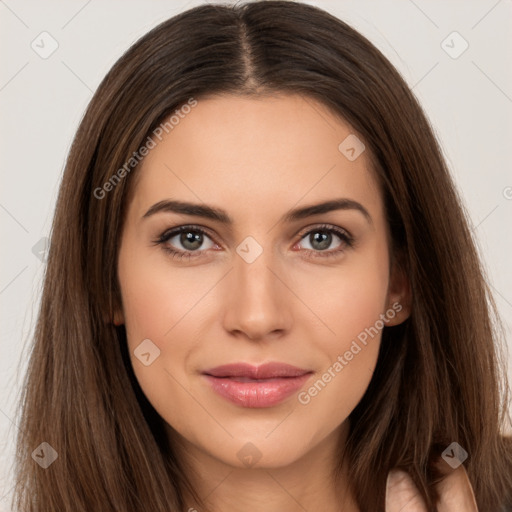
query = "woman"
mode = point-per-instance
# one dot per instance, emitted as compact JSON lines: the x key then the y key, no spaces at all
{"x":192,"y":354}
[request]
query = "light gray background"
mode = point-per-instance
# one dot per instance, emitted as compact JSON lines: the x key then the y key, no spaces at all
{"x":468,"y":100}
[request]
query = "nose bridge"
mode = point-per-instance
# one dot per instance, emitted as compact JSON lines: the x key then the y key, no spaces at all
{"x":252,"y":269}
{"x":257,"y":302}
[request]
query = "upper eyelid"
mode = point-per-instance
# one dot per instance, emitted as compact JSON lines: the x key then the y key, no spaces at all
{"x":172,"y":232}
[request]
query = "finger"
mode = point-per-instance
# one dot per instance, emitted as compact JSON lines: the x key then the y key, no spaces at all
{"x":401,"y":494}
{"x":456,"y":493}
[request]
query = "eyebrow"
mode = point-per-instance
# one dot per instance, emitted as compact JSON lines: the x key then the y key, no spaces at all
{"x":216,"y":214}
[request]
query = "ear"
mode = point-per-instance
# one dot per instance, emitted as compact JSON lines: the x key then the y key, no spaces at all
{"x":118,"y":317}
{"x":399,"y":295}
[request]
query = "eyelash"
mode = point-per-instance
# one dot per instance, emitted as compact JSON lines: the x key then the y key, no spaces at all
{"x":346,"y":238}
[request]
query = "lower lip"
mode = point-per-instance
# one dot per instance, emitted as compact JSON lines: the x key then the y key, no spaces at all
{"x":264,"y":393}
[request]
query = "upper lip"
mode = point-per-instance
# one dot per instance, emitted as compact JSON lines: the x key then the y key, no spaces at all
{"x":263,"y":371}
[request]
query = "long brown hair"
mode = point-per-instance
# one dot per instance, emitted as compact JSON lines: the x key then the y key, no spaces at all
{"x":438,"y":378}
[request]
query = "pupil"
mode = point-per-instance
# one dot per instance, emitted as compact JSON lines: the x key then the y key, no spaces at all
{"x":195,"y":239}
{"x":324,"y":239}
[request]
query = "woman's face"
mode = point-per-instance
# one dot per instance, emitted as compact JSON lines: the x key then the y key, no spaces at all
{"x":260,"y":285}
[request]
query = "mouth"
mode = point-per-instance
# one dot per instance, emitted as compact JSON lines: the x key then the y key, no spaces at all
{"x":256,"y":386}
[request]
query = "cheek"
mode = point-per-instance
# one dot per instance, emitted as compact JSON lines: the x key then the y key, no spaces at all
{"x":155,"y":299}
{"x":159,"y":306}
{"x":349,"y":299}
{"x":151,"y":306}
{"x":162,"y":304}
{"x":351,"y":304}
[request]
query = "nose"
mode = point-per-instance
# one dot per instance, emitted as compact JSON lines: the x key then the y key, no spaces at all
{"x":258,"y":302}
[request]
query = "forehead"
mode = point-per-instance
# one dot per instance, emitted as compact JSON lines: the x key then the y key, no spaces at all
{"x":256,"y":153}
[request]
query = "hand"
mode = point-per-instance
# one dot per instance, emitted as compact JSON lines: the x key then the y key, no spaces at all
{"x":456,"y":493}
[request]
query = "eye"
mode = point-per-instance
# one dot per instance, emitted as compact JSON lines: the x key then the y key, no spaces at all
{"x":321,"y":237}
{"x":192,"y":238}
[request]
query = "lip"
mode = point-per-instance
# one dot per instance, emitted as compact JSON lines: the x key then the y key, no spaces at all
{"x":256,"y":386}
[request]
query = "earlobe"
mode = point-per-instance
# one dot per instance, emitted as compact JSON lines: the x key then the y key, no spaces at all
{"x":399,"y":296}
{"x":118,"y":318}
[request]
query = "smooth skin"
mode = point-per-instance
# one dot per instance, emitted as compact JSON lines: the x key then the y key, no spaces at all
{"x":256,"y":159}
